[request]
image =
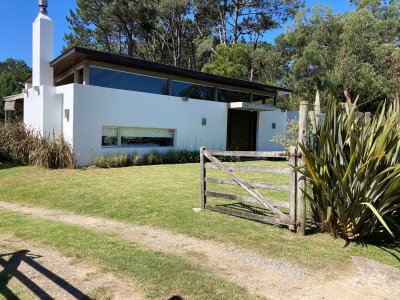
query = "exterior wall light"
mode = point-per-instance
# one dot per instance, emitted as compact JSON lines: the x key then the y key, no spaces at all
{"x":185,"y":99}
{"x":37,"y":89}
{"x":66,"y":114}
{"x":273,"y":125}
{"x":204,"y":121}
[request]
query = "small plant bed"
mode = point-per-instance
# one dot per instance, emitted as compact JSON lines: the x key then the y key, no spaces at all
{"x":151,"y":158}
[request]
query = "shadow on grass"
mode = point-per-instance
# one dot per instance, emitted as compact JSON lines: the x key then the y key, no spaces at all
{"x":10,"y":270}
{"x":380,"y":239}
{"x":385,"y":242}
{"x":4,"y":164}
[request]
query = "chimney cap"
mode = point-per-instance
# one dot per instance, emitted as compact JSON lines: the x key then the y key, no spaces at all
{"x":43,"y":4}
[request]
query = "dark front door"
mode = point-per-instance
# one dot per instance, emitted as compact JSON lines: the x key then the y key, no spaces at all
{"x":242,"y":130}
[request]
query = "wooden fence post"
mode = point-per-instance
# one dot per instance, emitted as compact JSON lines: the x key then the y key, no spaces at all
{"x":202,"y":178}
{"x":301,"y":209}
{"x":293,"y":187}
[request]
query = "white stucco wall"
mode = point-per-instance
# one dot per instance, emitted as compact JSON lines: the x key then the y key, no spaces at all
{"x":43,"y":110}
{"x":94,"y":107}
{"x":66,"y":94}
{"x":91,"y":108}
{"x":266,"y":132}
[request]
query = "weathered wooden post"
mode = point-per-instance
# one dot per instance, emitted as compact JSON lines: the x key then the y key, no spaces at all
{"x":202,"y":178}
{"x":293,"y":187}
{"x":301,"y":210}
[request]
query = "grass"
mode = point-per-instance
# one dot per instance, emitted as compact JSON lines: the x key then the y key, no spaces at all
{"x":159,"y":275}
{"x":164,"y":195}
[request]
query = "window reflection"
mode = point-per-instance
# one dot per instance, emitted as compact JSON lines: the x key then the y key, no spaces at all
{"x":232,"y":96}
{"x":262,"y":99}
{"x":190,"y":90}
{"x":127,"y":81}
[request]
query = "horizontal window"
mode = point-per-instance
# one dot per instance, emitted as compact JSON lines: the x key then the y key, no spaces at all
{"x":262,"y":99}
{"x":127,"y":81}
{"x":109,"y":136}
{"x":137,"y":137}
{"x":232,"y":96}
{"x":190,"y":90}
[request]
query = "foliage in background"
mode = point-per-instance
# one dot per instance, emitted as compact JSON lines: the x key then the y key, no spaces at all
{"x":354,"y":169}
{"x":233,"y":61}
{"x":27,"y":146}
{"x":183,"y":33}
{"x":12,"y":73}
{"x":346,"y":55}
{"x":343,"y":54}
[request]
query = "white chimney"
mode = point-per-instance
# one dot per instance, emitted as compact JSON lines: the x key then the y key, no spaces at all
{"x":43,"y":47}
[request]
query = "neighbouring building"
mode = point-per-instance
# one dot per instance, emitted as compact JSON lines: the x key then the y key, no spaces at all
{"x":13,"y":108}
{"x":111,"y":104}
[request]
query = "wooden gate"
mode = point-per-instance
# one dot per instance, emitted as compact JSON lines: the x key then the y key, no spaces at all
{"x":279,"y":212}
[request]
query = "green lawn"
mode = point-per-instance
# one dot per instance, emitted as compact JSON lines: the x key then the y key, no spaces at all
{"x":164,"y":196}
{"x":158,"y":275}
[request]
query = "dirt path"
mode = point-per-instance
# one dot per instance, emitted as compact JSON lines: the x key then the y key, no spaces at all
{"x":259,"y":275}
{"x":37,"y":272}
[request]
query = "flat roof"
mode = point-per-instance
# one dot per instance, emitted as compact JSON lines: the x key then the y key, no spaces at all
{"x":14,"y":97}
{"x":76,"y":55}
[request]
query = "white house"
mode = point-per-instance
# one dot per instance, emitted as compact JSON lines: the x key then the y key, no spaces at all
{"x":107,"y":104}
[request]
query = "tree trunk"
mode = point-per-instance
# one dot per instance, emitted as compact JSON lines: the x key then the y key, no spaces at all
{"x":235,"y":23}
{"x":347,"y":96}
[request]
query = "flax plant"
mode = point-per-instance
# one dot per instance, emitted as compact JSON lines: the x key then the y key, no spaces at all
{"x":354,"y":170}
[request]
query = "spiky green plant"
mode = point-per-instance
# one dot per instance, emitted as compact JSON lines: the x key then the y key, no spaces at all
{"x":355,"y":171}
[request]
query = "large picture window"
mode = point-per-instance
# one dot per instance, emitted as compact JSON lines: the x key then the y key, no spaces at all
{"x":262,"y":99}
{"x":127,"y":81}
{"x":137,"y":137}
{"x":232,"y":96}
{"x":191,"y":90}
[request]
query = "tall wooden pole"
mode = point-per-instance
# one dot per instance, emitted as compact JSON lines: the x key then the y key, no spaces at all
{"x":293,"y":187}
{"x":202,"y":178}
{"x":301,"y":210}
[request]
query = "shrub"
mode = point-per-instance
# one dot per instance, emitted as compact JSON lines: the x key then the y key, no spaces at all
{"x":152,"y":158}
{"x":354,"y":170}
{"x":111,"y":161}
{"x":171,"y":157}
{"x":27,"y":146}
{"x":189,"y":156}
{"x":136,"y":159}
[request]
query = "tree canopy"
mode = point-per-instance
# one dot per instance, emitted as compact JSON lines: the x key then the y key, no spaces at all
{"x":347,"y":55}
{"x":344,"y":54}
{"x":184,"y":33}
{"x":12,"y":73}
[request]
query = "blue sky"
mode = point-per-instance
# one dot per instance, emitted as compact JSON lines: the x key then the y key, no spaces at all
{"x":16,"y":17}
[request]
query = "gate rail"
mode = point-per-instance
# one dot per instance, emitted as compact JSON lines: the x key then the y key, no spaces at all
{"x":296,"y":198}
